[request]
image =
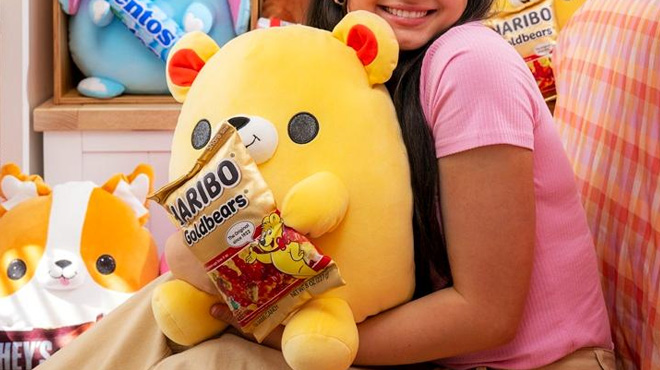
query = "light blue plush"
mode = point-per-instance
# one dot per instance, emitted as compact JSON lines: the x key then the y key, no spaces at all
{"x":242,"y":21}
{"x":104,"y":48}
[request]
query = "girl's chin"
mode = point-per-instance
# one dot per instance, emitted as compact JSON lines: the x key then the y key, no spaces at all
{"x":410,"y":42}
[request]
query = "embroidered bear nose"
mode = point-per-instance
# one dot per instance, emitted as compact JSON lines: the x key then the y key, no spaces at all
{"x":238,"y":122}
{"x":63,"y":263}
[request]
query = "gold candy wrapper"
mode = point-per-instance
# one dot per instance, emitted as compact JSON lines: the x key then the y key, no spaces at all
{"x":263,"y":269}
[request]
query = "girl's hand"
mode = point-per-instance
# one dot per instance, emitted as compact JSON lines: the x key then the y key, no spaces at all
{"x":221,"y":312}
{"x":185,"y":266}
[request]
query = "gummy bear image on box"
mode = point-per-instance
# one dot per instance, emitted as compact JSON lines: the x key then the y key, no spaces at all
{"x":68,"y":256}
{"x":311,"y":107}
{"x":120,"y":46}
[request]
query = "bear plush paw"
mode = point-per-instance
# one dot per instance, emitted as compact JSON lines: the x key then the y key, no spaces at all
{"x":321,"y":336}
{"x":316,"y":205}
{"x":182,"y":312}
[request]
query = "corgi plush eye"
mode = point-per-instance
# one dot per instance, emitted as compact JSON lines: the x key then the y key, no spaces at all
{"x":201,"y":134}
{"x":303,"y":128}
{"x":16,"y":269}
{"x":106,"y":264}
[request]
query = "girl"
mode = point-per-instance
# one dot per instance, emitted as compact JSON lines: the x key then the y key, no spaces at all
{"x":512,"y":280}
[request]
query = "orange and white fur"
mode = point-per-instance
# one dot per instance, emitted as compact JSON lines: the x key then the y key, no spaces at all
{"x":71,"y":254}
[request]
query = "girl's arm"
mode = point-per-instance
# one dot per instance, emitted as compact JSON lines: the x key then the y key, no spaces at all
{"x":489,"y":220}
{"x":488,"y":210}
{"x":185,"y":266}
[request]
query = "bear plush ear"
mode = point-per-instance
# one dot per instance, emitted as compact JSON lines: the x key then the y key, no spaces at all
{"x":16,"y":187}
{"x":374,"y":42}
{"x":133,"y":189}
{"x":186,"y":60}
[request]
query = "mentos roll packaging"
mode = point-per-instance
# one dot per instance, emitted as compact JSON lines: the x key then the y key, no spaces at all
{"x":531,"y":27}
{"x":149,"y":23}
{"x":263,"y":269}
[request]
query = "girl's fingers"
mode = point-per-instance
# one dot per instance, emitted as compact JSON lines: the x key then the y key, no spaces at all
{"x":221,"y":312}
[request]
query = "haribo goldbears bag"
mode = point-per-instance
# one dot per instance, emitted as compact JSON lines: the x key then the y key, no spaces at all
{"x":531,"y":27}
{"x":263,"y":269}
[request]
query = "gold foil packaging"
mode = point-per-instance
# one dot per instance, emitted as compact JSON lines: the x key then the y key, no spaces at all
{"x":228,"y":217}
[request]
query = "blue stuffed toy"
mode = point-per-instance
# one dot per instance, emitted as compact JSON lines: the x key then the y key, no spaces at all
{"x":121,"y":45}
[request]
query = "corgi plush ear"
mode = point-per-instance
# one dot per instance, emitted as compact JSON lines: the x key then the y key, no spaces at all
{"x":16,"y":187}
{"x":374,"y":42}
{"x":186,"y":60}
{"x":133,"y":189}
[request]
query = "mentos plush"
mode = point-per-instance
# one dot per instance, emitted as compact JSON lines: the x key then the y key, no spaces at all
{"x":121,"y":45}
{"x":240,"y":13}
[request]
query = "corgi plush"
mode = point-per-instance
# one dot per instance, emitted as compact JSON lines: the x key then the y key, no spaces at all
{"x":68,"y":256}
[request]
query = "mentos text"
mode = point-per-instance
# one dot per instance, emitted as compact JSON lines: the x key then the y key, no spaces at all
{"x":205,"y":190}
{"x":139,"y":12}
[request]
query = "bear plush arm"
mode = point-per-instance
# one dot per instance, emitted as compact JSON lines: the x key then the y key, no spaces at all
{"x":316,"y":205}
{"x":182,"y":322}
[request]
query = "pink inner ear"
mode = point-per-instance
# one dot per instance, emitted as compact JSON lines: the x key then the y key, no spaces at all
{"x":184,"y":67}
{"x":73,"y":7}
{"x":363,"y":40}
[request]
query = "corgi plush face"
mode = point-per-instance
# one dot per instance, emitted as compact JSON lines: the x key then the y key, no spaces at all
{"x":77,"y":245}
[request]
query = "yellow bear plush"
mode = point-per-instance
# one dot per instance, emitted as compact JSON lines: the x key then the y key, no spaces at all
{"x":310,"y":106}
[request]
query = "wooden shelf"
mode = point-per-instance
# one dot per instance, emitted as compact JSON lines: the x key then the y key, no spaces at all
{"x":106,"y":117}
{"x":72,"y":96}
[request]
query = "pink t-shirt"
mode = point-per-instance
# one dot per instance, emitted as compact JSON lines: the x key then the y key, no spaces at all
{"x":477,"y":91}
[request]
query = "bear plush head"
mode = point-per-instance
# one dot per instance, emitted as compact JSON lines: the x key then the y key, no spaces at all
{"x":311,"y":108}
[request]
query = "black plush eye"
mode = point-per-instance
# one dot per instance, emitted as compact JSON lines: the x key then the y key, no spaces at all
{"x":16,"y":270}
{"x":201,"y":134}
{"x":303,"y":128}
{"x":106,"y":264}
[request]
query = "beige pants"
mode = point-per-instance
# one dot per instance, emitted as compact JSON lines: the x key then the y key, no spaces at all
{"x":129,"y":339}
{"x":583,"y":359}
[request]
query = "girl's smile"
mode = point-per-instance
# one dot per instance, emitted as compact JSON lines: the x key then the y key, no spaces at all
{"x":405,"y":16}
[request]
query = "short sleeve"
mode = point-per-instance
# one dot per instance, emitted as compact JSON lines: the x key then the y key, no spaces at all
{"x":477,"y":91}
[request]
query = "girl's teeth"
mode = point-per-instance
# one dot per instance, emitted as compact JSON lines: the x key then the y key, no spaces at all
{"x":405,"y":13}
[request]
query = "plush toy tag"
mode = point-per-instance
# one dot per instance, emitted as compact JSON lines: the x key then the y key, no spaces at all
{"x":531,"y":27}
{"x":263,"y":269}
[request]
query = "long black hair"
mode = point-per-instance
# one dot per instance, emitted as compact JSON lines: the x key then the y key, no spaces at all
{"x":430,"y":247}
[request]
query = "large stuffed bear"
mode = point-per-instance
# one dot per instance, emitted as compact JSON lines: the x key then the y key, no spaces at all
{"x":310,"y":106}
{"x":68,"y":256}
